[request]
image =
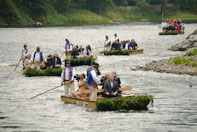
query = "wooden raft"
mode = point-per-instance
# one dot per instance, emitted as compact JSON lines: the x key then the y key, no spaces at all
{"x":84,"y":101}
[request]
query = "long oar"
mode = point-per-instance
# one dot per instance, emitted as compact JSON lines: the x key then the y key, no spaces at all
{"x":48,"y":90}
{"x":17,"y":64}
{"x":62,"y":55}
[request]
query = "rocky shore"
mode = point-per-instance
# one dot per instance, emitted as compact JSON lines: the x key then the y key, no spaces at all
{"x":186,"y":64}
{"x":165,"y":66}
{"x":188,"y":44}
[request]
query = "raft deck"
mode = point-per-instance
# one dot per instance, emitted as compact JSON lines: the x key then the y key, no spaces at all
{"x":85,"y":102}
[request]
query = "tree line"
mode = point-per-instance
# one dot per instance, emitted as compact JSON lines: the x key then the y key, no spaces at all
{"x":11,"y":10}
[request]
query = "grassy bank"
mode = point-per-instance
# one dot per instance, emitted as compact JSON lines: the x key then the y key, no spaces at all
{"x":86,"y":17}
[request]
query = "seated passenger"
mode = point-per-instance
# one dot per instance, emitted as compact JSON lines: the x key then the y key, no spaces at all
{"x":89,"y":47}
{"x":111,"y":88}
{"x":74,"y":53}
{"x":81,"y":49}
{"x":87,"y":52}
{"x":82,"y":86}
{"x":27,"y":62}
{"x":49,"y":62}
{"x":56,"y":61}
{"x":133,"y":44}
{"x":116,"y":78}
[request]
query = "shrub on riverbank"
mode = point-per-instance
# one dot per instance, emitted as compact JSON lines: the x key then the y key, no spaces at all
{"x":80,"y":61}
{"x":194,"y":52}
{"x":188,"y":59}
{"x":126,"y":103}
{"x":48,"y":72}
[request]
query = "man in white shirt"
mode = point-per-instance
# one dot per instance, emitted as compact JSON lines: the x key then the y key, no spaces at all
{"x":116,"y":39}
{"x":38,"y":58}
{"x":24,"y":55}
{"x":25,"y":52}
{"x":92,"y":82}
{"x":67,"y":76}
{"x":68,"y":48}
{"x":107,"y":43}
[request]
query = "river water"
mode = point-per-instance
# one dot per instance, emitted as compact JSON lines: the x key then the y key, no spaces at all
{"x":175,"y":103}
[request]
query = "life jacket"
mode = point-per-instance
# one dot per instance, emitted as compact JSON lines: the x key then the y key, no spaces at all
{"x":117,"y":39}
{"x":129,"y":46}
{"x":69,"y":45}
{"x":90,"y":80}
{"x":25,"y":50}
{"x":107,"y":42}
{"x":71,"y":73}
{"x":41,"y":56}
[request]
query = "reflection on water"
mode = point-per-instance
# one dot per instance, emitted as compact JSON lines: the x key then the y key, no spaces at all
{"x":175,"y":104}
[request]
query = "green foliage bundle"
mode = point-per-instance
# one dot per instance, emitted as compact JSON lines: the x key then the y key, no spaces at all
{"x":47,"y":72}
{"x":124,"y":103}
{"x":80,"y":61}
{"x":115,"y":52}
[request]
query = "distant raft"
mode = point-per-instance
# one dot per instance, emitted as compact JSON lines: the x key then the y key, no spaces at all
{"x":122,"y":52}
{"x":171,"y":33}
{"x":47,"y":72}
{"x":125,"y":102}
{"x":80,"y":61}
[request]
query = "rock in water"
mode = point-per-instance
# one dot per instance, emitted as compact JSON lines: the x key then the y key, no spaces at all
{"x":189,"y":43}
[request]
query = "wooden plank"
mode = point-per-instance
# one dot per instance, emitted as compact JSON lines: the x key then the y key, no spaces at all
{"x":140,"y":51}
{"x":102,"y":90}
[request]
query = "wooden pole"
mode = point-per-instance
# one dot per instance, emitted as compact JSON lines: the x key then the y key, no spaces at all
{"x":48,"y":90}
{"x":17,"y":64}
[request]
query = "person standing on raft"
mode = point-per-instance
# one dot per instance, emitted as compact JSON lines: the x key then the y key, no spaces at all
{"x":37,"y":59}
{"x":107,"y":43}
{"x":68,"y":48}
{"x":24,"y":55}
{"x":93,"y":81}
{"x":67,"y":78}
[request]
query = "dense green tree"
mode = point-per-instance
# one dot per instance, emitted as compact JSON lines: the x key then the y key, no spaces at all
{"x":121,"y":2}
{"x":9,"y":12}
{"x":132,"y":2}
{"x":99,"y":5}
{"x":143,"y":6}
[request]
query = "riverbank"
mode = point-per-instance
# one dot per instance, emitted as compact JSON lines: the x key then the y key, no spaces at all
{"x":86,"y":17}
{"x":186,"y":64}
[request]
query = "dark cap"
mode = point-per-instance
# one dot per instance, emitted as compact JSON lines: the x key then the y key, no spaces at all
{"x":38,"y":48}
{"x":68,"y":62}
{"x":96,"y":65}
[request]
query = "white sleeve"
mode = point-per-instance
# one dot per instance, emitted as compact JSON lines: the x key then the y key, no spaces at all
{"x":95,"y":78}
{"x":44,"y":58}
{"x":73,"y":74}
{"x":32,"y":56}
{"x":62,"y":80}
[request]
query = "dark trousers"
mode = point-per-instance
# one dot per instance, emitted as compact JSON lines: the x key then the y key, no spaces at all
{"x":111,"y":96}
